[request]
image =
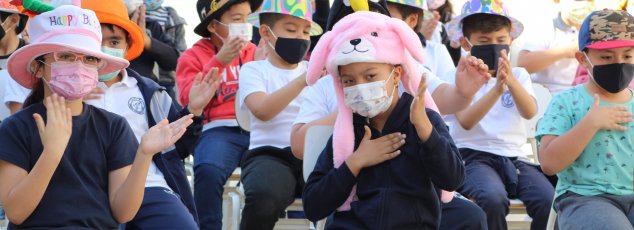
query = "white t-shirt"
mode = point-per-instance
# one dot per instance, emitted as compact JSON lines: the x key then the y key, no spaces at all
{"x":560,"y":75}
{"x":320,"y":99}
{"x":13,"y":91}
{"x":262,"y":76}
{"x":502,"y":130}
{"x":124,"y":98}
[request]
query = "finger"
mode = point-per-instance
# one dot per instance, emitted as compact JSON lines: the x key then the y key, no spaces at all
{"x":391,"y":155}
{"x":69,"y":118}
{"x":161,"y":124}
{"x":618,"y":127}
{"x":61,"y":109}
{"x":422,"y":85}
{"x":177,"y":135}
{"x":367,"y":134}
{"x":39,"y":121}
{"x":597,"y":100}
{"x":182,"y":122}
{"x":198,"y":78}
{"x":214,"y":75}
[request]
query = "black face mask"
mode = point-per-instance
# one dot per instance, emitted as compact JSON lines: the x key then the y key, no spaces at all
{"x":489,"y":54}
{"x":613,"y":78}
{"x":291,"y":50}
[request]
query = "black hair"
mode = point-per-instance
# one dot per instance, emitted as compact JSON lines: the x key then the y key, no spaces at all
{"x":111,"y":28}
{"x":405,"y":11}
{"x":446,"y":12}
{"x":270,"y":19}
{"x":233,"y":3}
{"x":484,"y":23}
{"x":37,"y":92}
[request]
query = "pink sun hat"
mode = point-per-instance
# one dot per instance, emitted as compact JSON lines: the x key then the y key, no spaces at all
{"x":66,"y":28}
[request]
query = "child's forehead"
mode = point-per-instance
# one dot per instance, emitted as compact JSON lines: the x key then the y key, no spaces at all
{"x":360,"y":67}
{"x":612,"y":51}
{"x":292,"y":20}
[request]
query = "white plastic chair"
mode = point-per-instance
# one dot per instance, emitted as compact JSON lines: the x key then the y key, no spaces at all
{"x":314,"y":143}
{"x":543,"y":97}
{"x":243,"y":116}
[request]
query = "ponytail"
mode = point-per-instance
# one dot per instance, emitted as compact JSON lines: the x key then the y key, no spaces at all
{"x":37,"y":92}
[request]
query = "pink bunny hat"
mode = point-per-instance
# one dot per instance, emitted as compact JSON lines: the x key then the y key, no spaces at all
{"x":364,"y":37}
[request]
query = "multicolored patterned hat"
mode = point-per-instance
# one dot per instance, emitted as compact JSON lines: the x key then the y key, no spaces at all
{"x":298,"y":8}
{"x":471,"y":7}
{"x":413,"y":3}
{"x":607,"y":29}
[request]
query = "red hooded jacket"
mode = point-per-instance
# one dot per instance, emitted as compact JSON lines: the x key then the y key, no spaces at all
{"x":201,"y":58}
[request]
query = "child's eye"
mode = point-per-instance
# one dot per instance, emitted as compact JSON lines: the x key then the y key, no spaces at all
{"x":307,"y":32}
{"x":374,"y":34}
{"x":606,"y":57}
{"x":291,"y":31}
{"x":347,"y":82}
{"x":370,"y":76}
{"x":114,"y":43}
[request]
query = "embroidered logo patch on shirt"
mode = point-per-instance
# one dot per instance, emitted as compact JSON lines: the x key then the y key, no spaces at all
{"x":507,"y":100}
{"x":137,"y":105}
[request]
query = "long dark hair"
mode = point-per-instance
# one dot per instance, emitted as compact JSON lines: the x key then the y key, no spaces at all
{"x":37,"y":92}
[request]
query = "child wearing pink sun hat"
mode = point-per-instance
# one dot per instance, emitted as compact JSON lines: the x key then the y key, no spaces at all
{"x":82,"y":168}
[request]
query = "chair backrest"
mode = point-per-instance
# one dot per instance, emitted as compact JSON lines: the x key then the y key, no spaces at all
{"x":543,"y":97}
{"x":316,"y":139}
{"x":243,"y":116}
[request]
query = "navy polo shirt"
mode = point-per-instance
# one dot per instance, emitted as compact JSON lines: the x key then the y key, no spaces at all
{"x":77,"y":195}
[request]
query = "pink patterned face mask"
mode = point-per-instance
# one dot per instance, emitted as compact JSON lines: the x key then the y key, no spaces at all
{"x":72,"y":80}
{"x":369,"y":99}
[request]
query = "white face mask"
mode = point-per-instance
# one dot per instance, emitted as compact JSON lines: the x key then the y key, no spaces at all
{"x":369,"y":99}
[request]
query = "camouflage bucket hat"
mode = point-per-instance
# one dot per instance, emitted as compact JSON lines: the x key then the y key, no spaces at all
{"x":607,"y":29}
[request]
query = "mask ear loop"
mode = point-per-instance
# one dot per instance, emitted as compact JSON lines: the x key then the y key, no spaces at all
{"x":589,"y":62}
{"x":275,"y":36}
{"x":388,"y":79}
{"x":220,"y":37}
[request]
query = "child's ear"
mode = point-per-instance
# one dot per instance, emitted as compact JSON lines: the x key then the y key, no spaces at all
{"x":265,"y":33}
{"x":211,"y":27}
{"x":464,"y":44}
{"x":398,"y":73}
{"x":582,"y":60}
{"x":37,"y":68}
{"x":412,"y":20}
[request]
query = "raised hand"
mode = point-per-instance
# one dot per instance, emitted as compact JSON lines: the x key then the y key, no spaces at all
{"x":163,"y":135}
{"x":373,"y":152}
{"x":262,"y":51}
{"x":230,"y":50}
{"x":417,"y":113}
{"x":504,"y":73}
{"x":202,"y":90}
{"x":608,"y":117}
{"x":471,"y":74}
{"x":138,"y":17}
{"x":429,"y":26}
{"x":59,"y":125}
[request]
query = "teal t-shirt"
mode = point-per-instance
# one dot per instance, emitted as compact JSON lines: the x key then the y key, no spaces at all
{"x":606,"y":165}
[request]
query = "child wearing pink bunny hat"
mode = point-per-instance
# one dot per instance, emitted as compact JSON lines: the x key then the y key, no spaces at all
{"x":389,"y":156}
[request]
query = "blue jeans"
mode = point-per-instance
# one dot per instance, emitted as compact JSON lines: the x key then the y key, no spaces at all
{"x":217,"y":155}
{"x":162,"y":209}
{"x":485,"y":183}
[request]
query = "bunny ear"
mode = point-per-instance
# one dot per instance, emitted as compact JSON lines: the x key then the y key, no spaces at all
{"x":409,"y":39}
{"x":318,"y":58}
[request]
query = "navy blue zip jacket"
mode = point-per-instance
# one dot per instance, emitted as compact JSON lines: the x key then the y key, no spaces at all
{"x":171,"y":161}
{"x":402,"y":193}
